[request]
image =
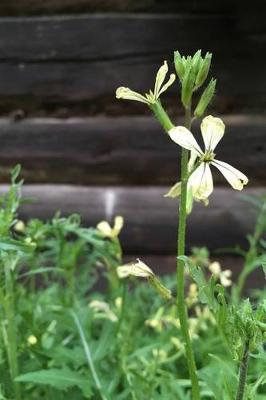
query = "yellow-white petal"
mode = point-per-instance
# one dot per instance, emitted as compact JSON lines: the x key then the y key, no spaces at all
{"x":105,"y":228}
{"x":118,"y":225}
{"x":135,"y":269}
{"x":190,"y":200}
{"x":225,"y":278}
{"x":160,"y":77}
{"x":103,"y":307}
{"x":212,"y":130}
{"x":192,"y":159}
{"x":32,"y":340}
{"x":174,"y":191}
{"x":215,"y":268}
{"x":167,"y":84}
{"x":128,"y":94}
{"x":235,"y":177}
{"x":201,"y":182}
{"x":183,"y":137}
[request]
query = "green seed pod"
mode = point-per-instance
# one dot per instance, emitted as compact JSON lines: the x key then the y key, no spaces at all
{"x":206,"y":98}
{"x":203,"y":70}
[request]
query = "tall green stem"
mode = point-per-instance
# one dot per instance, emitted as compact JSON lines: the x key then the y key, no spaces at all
{"x":243,"y":369}
{"x":181,"y":304}
{"x":167,"y":124}
{"x":11,"y":331}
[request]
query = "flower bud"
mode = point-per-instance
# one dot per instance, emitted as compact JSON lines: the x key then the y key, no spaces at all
{"x":206,"y":98}
{"x":179,"y":65}
{"x":20,"y":227}
{"x":32,"y":340}
{"x":203,"y":70}
{"x":187,"y":85}
{"x":197,"y":61}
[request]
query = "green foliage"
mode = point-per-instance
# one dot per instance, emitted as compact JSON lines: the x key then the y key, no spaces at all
{"x":61,"y":338}
{"x":61,"y":379}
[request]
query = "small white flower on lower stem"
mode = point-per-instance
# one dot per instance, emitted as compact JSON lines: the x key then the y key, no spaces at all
{"x":20,"y":226}
{"x":32,"y":340}
{"x":107,"y":231}
{"x":152,"y":96}
{"x":223,"y":276}
{"x":103,"y":308}
{"x":135,"y":269}
{"x":200,"y":181}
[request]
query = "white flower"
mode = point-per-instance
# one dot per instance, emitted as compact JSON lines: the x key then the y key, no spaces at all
{"x":136,"y":269}
{"x":104,"y":309}
{"x":20,"y":227}
{"x":108,"y":231}
{"x":151,"y":97}
{"x":200,"y":180}
{"x":32,"y":340}
{"x":192,"y":296}
{"x":223,"y":276}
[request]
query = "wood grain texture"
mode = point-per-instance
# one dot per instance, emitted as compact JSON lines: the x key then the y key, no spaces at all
{"x":64,"y":60}
{"x":150,"y":219}
{"x":124,"y":150}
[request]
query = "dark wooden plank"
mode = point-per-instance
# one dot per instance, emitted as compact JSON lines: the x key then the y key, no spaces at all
{"x":52,"y":61}
{"x":124,"y":150}
{"x":107,"y":36}
{"x":29,"y":7}
{"x":150,"y":219}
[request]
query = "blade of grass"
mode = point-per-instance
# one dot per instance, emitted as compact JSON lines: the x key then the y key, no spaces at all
{"x":87,"y":352}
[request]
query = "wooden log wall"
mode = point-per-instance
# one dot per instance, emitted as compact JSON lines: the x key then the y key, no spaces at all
{"x":82,"y":150}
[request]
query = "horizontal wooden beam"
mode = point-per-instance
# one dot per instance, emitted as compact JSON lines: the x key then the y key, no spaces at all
{"x":124,"y":150}
{"x":150,"y":219}
{"x":48,"y":62}
{"x":29,"y":7}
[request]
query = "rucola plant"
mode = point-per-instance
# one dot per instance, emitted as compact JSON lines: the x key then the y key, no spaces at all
{"x":196,"y":183}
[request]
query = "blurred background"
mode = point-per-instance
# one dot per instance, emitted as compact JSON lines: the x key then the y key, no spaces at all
{"x":84,"y":151}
